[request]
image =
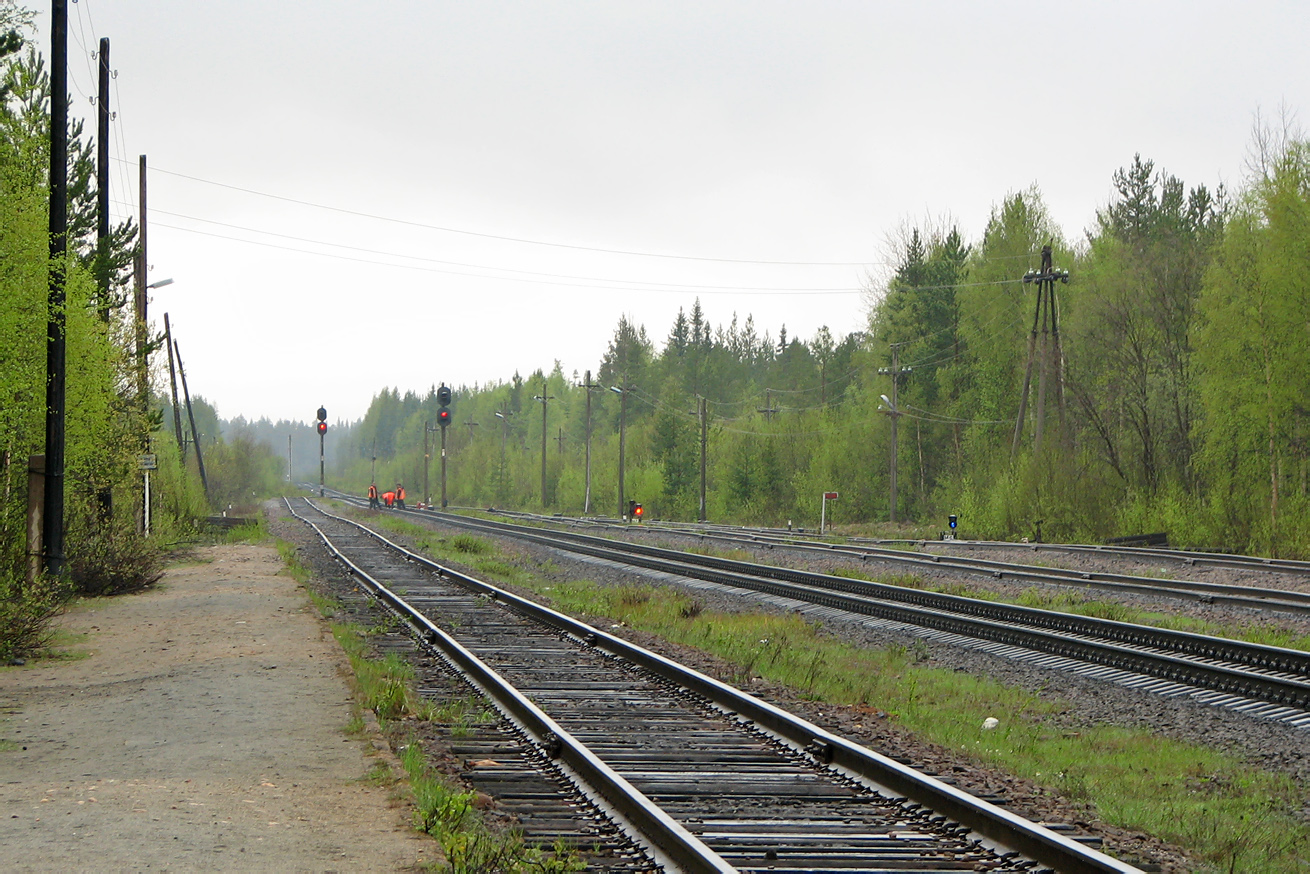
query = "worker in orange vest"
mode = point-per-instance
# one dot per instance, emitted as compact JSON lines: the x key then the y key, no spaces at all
{"x":373,"y":496}
{"x":388,"y":498}
{"x":400,"y":496}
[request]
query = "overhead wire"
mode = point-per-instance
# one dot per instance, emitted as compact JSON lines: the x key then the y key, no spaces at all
{"x":596,"y":279}
{"x":506,"y":238}
{"x":602,"y":284}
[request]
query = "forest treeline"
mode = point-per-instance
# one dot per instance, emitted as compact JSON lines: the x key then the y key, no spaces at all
{"x":1179,"y":402}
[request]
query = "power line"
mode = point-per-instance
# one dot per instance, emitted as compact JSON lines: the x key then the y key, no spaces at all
{"x":509,"y":239}
{"x":609,"y":281}
{"x":652,"y":289}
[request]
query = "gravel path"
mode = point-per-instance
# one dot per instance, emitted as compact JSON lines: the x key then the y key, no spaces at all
{"x":203,"y":730}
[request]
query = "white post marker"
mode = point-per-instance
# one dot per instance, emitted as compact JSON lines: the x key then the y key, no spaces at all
{"x":823,"y":510}
{"x":148,"y":462}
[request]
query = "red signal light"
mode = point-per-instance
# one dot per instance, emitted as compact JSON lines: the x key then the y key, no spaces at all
{"x":443,"y":417}
{"x":322,"y":428}
{"x":636,"y":510}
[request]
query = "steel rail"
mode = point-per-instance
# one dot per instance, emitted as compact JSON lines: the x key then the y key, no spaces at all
{"x":1249,"y":597}
{"x":1187,"y":557}
{"x":668,"y":842}
{"x":1265,"y":673}
{"x":882,"y":773}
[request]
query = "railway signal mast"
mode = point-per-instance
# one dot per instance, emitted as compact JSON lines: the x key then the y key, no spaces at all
{"x":322,"y":432}
{"x":443,"y":419}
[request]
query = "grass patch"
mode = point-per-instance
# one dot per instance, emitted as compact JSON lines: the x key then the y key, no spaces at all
{"x":446,"y":811}
{"x":255,"y":531}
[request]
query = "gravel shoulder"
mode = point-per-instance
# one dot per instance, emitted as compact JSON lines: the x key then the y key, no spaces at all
{"x":204,"y":729}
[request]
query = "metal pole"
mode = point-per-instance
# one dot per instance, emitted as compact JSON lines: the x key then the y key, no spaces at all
{"x":443,"y":468}
{"x":53,"y":516}
{"x":427,"y":455}
{"x":103,"y":277}
{"x":321,"y":466}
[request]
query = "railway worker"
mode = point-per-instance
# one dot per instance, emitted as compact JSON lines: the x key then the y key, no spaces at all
{"x":400,"y":496}
{"x":389,"y":498}
{"x":372,"y":496}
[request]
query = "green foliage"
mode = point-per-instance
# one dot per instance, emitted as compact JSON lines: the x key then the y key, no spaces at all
{"x":27,"y":615}
{"x":111,"y":558}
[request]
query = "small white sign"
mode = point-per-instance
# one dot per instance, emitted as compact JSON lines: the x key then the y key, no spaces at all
{"x":148,"y":462}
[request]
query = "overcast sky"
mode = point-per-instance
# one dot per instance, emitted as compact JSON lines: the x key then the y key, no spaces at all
{"x":356,"y":196}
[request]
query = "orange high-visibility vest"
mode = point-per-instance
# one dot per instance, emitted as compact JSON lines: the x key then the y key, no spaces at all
{"x":373,"y":493}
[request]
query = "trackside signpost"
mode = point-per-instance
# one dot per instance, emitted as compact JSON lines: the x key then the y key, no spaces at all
{"x":823,"y":509}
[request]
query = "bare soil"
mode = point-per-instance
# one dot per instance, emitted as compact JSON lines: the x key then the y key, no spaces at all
{"x":199,"y":725}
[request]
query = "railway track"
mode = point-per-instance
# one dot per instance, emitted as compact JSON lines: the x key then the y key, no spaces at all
{"x":700,"y":775}
{"x":1148,"y":554}
{"x":917,"y":555}
{"x":1263,"y":681}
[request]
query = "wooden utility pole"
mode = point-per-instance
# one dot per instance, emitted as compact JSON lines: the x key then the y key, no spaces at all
{"x":172,"y":380}
{"x":545,"y":399}
{"x":503,"y":414}
{"x":769,"y":408}
{"x":704,"y":444}
{"x":894,"y":411}
{"x":52,"y":519}
{"x":623,"y":429}
{"x":191,"y":416}
{"x":589,"y":387}
{"x":1049,"y":355}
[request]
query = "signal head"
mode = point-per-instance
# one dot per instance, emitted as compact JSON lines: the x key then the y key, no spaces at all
{"x":952,"y":519}
{"x":443,"y":395}
{"x":322,"y":414}
{"x":322,"y":428}
{"x":443,"y":417}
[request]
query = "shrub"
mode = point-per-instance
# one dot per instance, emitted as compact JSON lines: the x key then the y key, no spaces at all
{"x":112,"y":560}
{"x":27,"y":614}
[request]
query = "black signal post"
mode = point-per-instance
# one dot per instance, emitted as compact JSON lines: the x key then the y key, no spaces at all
{"x":443,"y":419}
{"x":322,"y":432}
